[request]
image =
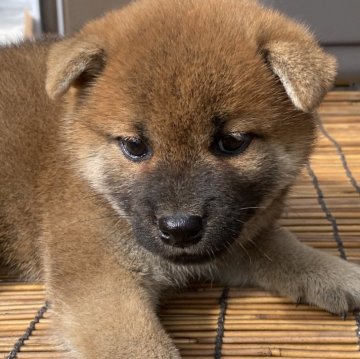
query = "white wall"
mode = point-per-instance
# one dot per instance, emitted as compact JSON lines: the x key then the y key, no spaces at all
{"x":12,"y":18}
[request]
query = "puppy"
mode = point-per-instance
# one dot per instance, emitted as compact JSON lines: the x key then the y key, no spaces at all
{"x":154,"y":147}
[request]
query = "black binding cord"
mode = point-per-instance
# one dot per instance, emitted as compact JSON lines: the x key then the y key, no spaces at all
{"x":327,"y":212}
{"x":221,"y":323}
{"x":20,"y":342}
{"x":341,"y":155}
{"x":357,"y":321}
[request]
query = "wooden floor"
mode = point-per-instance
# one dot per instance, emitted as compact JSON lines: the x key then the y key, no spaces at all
{"x":324,"y":211}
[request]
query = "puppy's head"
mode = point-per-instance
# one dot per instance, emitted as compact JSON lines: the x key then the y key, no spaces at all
{"x":191,"y":118}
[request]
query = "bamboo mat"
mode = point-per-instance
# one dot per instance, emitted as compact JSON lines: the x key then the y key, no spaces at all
{"x":213,"y":322}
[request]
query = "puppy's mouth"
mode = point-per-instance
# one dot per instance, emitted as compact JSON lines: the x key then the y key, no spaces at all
{"x":202,"y":252}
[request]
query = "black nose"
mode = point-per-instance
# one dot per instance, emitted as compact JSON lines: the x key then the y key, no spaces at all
{"x":181,"y":231}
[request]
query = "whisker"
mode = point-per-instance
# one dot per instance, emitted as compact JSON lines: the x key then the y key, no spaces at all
{"x":244,"y":208}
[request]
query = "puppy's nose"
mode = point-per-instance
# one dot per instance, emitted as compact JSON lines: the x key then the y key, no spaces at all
{"x":181,"y":231}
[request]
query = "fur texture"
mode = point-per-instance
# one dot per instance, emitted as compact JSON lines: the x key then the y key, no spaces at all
{"x":176,"y":79}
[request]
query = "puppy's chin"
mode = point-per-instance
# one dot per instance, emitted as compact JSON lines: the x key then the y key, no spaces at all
{"x":186,"y":258}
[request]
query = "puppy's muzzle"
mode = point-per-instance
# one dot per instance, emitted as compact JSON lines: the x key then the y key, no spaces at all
{"x":181,"y":230}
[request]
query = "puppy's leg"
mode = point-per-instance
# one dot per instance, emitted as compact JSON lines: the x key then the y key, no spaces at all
{"x":108,"y":315}
{"x":280,"y":262}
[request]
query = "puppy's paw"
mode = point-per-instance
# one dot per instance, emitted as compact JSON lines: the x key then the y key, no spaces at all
{"x":334,"y":286}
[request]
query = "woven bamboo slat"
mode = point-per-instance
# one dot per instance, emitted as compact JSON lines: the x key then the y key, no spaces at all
{"x":257,"y":324}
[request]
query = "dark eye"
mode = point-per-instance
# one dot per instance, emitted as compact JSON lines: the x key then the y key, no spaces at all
{"x":135,"y":149}
{"x":232,"y":143}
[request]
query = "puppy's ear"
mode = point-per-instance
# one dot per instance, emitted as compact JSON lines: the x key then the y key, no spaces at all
{"x":73,"y":62}
{"x":304,"y":69}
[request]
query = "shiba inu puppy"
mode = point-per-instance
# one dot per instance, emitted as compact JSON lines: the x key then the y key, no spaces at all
{"x":154,"y":147}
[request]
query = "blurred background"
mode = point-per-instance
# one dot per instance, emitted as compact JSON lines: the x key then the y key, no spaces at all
{"x":336,"y":23}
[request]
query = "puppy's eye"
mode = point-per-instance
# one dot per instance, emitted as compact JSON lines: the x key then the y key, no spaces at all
{"x":134,"y":149}
{"x":232,"y":143}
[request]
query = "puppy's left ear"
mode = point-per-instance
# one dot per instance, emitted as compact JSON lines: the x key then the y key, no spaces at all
{"x":74,"y":62}
{"x":304,"y":69}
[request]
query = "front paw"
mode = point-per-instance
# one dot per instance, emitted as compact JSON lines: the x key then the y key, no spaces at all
{"x":333,"y":285}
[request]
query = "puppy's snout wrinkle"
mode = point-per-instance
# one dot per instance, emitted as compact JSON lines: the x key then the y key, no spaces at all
{"x":181,"y":230}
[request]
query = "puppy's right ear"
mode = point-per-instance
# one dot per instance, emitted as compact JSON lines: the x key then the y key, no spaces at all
{"x":73,"y":62}
{"x":304,"y":69}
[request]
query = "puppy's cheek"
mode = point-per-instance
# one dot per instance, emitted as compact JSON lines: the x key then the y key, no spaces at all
{"x":270,"y":166}
{"x":98,"y":168}
{"x":92,"y":169}
{"x":289,"y":165}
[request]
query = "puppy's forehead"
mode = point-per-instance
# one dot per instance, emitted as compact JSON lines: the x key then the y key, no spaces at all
{"x":191,"y":82}
{"x":181,"y":70}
